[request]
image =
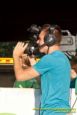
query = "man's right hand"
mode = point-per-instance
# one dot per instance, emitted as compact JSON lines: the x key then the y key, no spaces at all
{"x":19,"y":49}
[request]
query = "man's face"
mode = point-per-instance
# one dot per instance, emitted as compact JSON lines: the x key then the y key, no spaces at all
{"x":40,"y":41}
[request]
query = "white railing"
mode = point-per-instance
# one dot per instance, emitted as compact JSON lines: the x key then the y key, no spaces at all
{"x":22,"y":101}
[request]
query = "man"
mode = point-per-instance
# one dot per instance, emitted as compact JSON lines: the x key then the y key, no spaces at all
{"x":53,"y":69}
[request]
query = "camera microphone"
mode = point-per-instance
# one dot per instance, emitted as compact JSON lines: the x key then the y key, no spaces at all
{"x":34,"y":29}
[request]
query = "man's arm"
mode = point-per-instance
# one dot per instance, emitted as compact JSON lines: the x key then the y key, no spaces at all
{"x":20,"y":73}
{"x":23,"y":74}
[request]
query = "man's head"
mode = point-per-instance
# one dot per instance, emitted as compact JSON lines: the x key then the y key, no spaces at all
{"x":48,"y":37}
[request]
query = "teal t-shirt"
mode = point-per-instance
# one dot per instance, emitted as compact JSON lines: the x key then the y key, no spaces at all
{"x":55,"y":73}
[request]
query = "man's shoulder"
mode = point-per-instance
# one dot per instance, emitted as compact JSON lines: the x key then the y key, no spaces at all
{"x":46,"y":57}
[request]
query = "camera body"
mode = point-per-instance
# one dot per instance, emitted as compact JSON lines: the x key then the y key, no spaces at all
{"x":34,"y":31}
{"x":32,"y":47}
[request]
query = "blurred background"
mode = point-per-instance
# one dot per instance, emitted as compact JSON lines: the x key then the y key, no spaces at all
{"x":15,"y":18}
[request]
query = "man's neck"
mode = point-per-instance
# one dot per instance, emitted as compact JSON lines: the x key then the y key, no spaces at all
{"x":53,"y":48}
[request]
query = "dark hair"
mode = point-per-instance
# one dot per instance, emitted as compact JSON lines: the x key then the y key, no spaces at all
{"x":57,"y":33}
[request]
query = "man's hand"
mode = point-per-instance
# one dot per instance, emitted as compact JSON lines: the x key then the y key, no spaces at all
{"x":19,"y":49}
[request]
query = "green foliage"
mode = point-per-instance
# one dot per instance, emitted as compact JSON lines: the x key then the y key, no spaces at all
{"x":6,"y":49}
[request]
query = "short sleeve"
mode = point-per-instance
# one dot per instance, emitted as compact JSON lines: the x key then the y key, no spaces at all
{"x":44,"y":64}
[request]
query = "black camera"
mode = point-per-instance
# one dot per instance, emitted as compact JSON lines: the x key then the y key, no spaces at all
{"x":32,"y":47}
{"x":34,"y":31}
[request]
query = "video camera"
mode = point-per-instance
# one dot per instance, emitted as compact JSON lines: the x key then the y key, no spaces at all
{"x":32,"y":47}
{"x":34,"y":29}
